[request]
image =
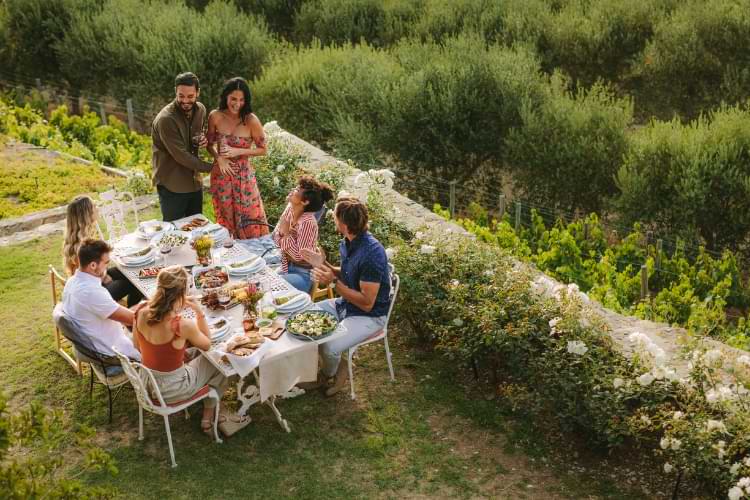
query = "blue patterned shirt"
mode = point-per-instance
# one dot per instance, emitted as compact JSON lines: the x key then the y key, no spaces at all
{"x":364,"y":259}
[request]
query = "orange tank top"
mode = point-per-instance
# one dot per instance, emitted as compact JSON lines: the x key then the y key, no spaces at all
{"x":160,"y":357}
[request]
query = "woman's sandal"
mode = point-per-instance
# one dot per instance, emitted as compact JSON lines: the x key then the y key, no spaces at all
{"x":207,"y":424}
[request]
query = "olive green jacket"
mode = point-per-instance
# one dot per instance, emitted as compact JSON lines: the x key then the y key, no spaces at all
{"x":174,"y":159}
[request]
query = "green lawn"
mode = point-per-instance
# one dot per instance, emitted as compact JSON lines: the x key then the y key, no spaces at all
{"x":427,"y":435}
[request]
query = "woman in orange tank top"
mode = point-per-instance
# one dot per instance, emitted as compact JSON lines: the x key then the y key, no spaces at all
{"x":162,"y":335}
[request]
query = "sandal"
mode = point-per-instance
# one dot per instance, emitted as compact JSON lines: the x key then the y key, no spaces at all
{"x":207,"y":424}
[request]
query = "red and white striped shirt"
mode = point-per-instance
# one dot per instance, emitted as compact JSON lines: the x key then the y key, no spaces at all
{"x":303,"y":234}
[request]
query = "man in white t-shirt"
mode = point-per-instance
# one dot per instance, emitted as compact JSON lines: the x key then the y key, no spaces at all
{"x":86,"y":301}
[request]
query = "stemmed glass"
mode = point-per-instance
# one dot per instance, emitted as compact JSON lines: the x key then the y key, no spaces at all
{"x":164,"y":249}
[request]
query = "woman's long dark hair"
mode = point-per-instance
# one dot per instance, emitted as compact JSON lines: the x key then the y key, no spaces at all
{"x":237,"y":83}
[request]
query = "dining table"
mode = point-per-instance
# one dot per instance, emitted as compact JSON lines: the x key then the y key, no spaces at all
{"x":273,"y":371}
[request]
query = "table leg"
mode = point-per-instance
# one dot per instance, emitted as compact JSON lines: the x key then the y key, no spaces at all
{"x":247,"y":396}
{"x":282,"y":422}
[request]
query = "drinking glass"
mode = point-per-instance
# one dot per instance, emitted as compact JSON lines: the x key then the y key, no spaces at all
{"x":224,"y":296}
{"x":165,"y":250}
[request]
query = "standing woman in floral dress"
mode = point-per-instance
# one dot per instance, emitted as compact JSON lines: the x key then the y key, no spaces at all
{"x":234,"y":135}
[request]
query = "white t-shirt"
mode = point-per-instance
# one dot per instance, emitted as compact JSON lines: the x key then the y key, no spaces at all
{"x":90,"y":304}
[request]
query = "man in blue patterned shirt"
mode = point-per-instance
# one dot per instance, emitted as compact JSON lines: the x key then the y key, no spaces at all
{"x":362,"y":282}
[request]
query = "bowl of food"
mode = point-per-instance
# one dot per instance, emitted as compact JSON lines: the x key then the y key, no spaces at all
{"x":210,"y":276}
{"x":172,"y":239}
{"x":311,"y":325}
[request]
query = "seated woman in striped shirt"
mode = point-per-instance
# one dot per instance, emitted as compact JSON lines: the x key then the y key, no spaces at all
{"x":298,"y":229}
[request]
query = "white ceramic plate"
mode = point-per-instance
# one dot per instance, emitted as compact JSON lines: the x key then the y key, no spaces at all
{"x":254,"y":264}
{"x":150,"y":228}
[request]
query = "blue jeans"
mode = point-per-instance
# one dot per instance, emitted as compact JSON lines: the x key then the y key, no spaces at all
{"x":359,"y":329}
{"x":298,"y":277}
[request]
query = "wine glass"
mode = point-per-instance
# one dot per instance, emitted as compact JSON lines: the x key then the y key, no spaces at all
{"x":224,"y":297}
{"x":165,"y":249}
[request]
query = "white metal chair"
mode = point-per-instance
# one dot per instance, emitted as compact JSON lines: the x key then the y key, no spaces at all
{"x":145,"y":386}
{"x":116,"y":209}
{"x":378,"y":336}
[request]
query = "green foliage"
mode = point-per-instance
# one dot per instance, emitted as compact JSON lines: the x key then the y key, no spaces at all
{"x":36,"y":474}
{"x":121,"y":48}
{"x":309,"y":89}
{"x":455,"y":103}
{"x":279,"y":14}
{"x":29,"y":31}
{"x":690,"y":180}
{"x":83,"y":136}
{"x":568,"y":147}
{"x":334,"y":22}
{"x":699,"y":54}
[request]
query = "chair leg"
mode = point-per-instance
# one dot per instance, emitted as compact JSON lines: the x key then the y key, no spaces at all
{"x":140,"y":423}
{"x":169,"y":440}
{"x":187,"y":414}
{"x":216,"y":422}
{"x":109,"y":393}
{"x":91,"y":382}
{"x":351,"y":374}
{"x":388,"y":358}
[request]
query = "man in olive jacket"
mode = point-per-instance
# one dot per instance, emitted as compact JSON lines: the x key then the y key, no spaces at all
{"x":177,"y":134}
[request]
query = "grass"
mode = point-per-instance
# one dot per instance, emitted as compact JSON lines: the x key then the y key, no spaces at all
{"x":428,"y":435}
{"x":31,"y":182}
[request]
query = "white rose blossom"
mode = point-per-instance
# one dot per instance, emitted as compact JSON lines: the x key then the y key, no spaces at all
{"x":735,"y":493}
{"x":746,"y":461}
{"x":280,"y":168}
{"x":668,"y":467}
{"x":664,"y":443}
{"x":645,"y":379}
{"x":735,"y":468}
{"x":577,"y":347}
{"x":744,"y":482}
{"x":618,"y":382}
{"x":276,"y":181}
{"x":390,"y":252}
{"x":678,"y":415}
{"x":715,"y":425}
{"x":427,"y":249}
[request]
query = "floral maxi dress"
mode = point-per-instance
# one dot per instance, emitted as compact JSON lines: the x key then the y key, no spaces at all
{"x":236,"y":199}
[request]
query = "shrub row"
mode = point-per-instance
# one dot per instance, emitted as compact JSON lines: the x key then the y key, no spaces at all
{"x":132,"y":48}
